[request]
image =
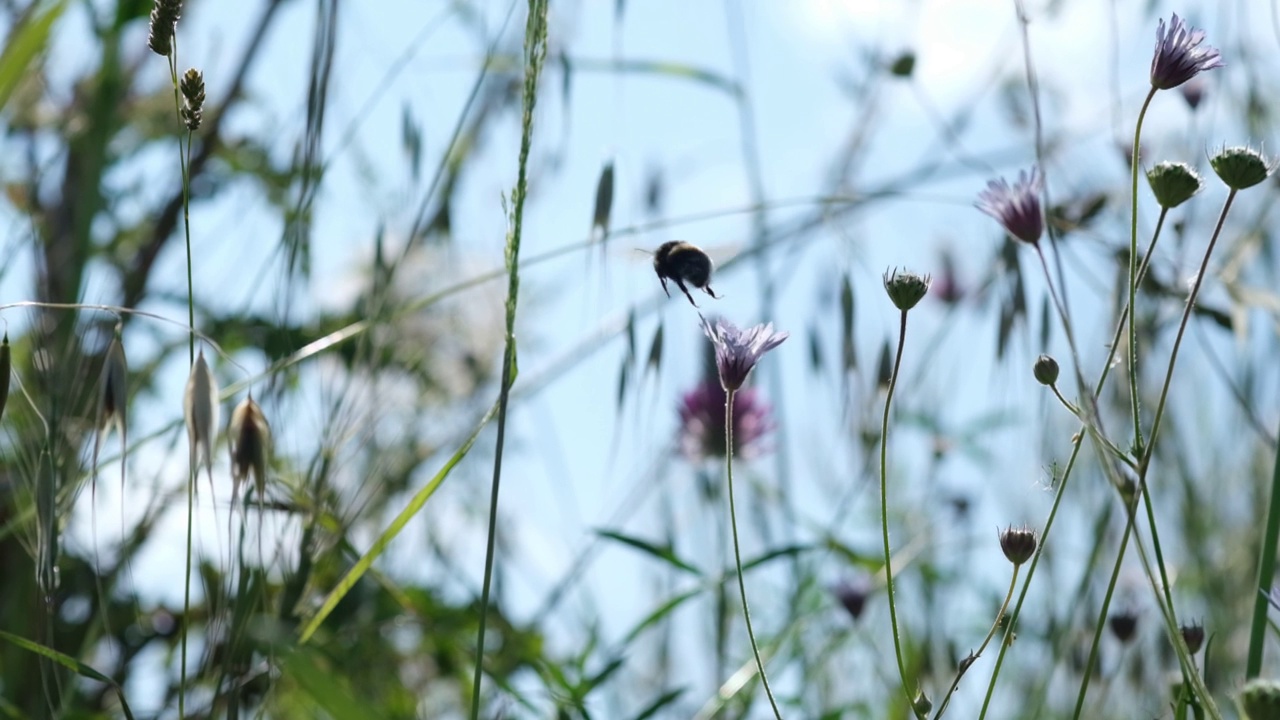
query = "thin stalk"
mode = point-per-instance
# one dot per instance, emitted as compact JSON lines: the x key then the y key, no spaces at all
{"x":973,"y":657}
{"x":1066,"y":477}
{"x":184,"y":160}
{"x":737,"y":552}
{"x":884,"y":510}
{"x":1102,"y":615}
{"x":1182,"y":329}
{"x":1133,"y":273}
{"x":535,"y":52}
{"x":1266,"y":571}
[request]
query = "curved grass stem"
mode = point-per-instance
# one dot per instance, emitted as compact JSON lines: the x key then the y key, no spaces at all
{"x":973,"y":656}
{"x":1133,"y":273}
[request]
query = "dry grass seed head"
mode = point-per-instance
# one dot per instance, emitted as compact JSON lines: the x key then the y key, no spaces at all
{"x":249,"y":439}
{"x":113,"y":404}
{"x":200,"y":407}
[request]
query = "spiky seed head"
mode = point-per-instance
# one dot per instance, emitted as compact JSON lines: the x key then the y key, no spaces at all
{"x":192,"y":88}
{"x":200,"y":406}
{"x":906,"y":289}
{"x":1260,"y":699}
{"x":1045,"y":370}
{"x":1193,"y":636}
{"x":1240,"y":167}
{"x":249,"y":438}
{"x":1173,"y":183}
{"x":164,"y":15}
{"x":1018,"y":544}
{"x":112,"y":393}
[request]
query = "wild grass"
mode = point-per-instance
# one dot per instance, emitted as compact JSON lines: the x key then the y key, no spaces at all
{"x":461,"y":510}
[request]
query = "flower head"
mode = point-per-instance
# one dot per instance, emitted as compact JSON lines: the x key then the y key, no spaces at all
{"x":906,"y":289}
{"x":1179,"y":56}
{"x":1045,"y":370}
{"x":1173,"y":183}
{"x":853,"y":594}
{"x":702,"y":430}
{"x":1240,"y":167}
{"x":1193,"y":636}
{"x":738,"y":351}
{"x":1260,"y":699}
{"x":1124,"y":625}
{"x":1018,"y":544}
{"x":1017,"y":208}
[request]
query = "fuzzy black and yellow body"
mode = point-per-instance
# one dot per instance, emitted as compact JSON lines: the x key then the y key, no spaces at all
{"x":683,"y":262}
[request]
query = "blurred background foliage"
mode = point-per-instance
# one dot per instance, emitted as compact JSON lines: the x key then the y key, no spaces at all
{"x":347,"y":201}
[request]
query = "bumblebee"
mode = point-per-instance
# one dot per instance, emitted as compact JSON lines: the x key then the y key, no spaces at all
{"x":683,"y":262}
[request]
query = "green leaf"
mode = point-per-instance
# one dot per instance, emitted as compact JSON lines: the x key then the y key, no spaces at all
{"x":787,"y":551}
{"x":326,"y":689}
{"x":663,"y":610}
{"x":663,"y":700}
{"x":71,"y":664}
{"x":26,"y":42}
{"x":664,"y":553}
{"x":415,"y":504}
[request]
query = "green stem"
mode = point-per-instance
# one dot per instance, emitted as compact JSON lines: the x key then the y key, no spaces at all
{"x":1266,"y":571}
{"x":1066,"y":477}
{"x":184,"y":160}
{"x":737,"y":552}
{"x":973,"y":657}
{"x":884,"y":511}
{"x":1102,"y":615}
{"x":1133,"y":273}
{"x":535,"y":53}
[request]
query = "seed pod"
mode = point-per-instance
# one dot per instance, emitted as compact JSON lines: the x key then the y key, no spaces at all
{"x":683,"y":262}
{"x":200,"y":406}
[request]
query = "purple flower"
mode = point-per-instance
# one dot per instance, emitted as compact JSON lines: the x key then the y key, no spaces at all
{"x":1178,"y":56}
{"x":1018,"y":207}
{"x":738,"y":351}
{"x":702,"y":430}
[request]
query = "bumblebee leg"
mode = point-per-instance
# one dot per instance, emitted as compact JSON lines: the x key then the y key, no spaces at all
{"x":664,"y":285}
{"x":707,"y":289}
{"x":686,"y":291}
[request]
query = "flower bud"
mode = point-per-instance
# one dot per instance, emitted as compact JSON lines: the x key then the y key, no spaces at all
{"x":249,"y":439}
{"x":1173,"y":183}
{"x":1124,"y":625}
{"x":1018,"y":544}
{"x":906,"y":289}
{"x":1193,"y":636}
{"x":922,"y":704}
{"x":1240,"y":167}
{"x":1045,"y":370}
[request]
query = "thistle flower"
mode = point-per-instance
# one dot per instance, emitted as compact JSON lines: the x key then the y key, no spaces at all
{"x":1240,"y":167}
{"x":192,"y":87}
{"x":249,"y":440}
{"x":113,"y":403}
{"x":164,"y":15}
{"x":200,"y":407}
{"x":738,"y":351}
{"x":1017,"y":208}
{"x":1173,"y":183}
{"x":702,"y":430}
{"x":1179,"y":56}
{"x":906,"y":289}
